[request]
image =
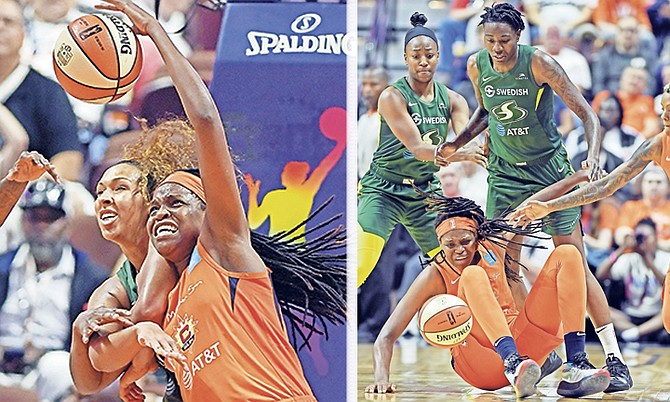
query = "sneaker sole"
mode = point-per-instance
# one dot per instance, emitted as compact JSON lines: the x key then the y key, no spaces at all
{"x":617,"y":388}
{"x":598,"y":382}
{"x":528,"y":377}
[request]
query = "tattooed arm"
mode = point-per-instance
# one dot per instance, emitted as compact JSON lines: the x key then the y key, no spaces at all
{"x":478,"y":121}
{"x":547,"y":71}
{"x":650,"y":150}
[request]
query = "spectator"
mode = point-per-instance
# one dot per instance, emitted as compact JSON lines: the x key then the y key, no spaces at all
{"x":554,"y":40}
{"x":608,"y":13}
{"x":374,"y":81}
{"x":638,"y":107}
{"x":642,"y":272}
{"x":44,"y":285}
{"x":599,"y":223}
{"x":654,"y":204}
{"x":659,"y":16}
{"x":626,"y":50}
{"x":567,"y":14}
{"x":617,"y":139}
{"x":38,"y":103}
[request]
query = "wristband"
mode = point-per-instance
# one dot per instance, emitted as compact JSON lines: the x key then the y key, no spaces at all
{"x":586,"y":164}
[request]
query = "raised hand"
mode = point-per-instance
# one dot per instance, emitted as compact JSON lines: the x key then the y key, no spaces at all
{"x":30,"y":166}
{"x":90,"y":321}
{"x":137,"y":15}
{"x":254,"y":186}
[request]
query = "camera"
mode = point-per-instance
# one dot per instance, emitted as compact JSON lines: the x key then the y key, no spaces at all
{"x":640,"y":238}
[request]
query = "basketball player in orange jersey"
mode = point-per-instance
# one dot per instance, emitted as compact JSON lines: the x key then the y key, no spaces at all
{"x":655,"y":149}
{"x":223,"y":312}
{"x":472,"y":265}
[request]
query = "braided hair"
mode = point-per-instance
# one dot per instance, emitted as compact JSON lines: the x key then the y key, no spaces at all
{"x":492,"y":230}
{"x":503,"y":12}
{"x":310,"y":277}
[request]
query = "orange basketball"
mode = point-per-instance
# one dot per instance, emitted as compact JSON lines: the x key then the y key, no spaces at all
{"x":97,"y":58}
{"x":445,"y":321}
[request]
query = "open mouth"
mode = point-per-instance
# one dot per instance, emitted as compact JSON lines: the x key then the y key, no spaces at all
{"x":107,"y":216}
{"x":164,"y":229}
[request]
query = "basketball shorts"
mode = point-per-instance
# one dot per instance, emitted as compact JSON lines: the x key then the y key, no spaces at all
{"x":382,"y":204}
{"x":511,"y":184}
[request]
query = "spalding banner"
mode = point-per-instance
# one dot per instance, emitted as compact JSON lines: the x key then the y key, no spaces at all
{"x":280,"y":84}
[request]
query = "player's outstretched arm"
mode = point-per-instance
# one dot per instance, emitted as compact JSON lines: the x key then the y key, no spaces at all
{"x":429,"y":283}
{"x":650,"y":150}
{"x":478,"y":121}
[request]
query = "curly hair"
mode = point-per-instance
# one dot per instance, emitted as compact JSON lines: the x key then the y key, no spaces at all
{"x":162,"y":149}
{"x":503,"y":12}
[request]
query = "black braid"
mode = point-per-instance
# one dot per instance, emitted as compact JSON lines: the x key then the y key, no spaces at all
{"x":492,"y":230}
{"x":310,"y":277}
{"x":503,"y":12}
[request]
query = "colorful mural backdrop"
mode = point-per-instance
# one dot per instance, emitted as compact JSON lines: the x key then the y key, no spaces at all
{"x":280,"y":84}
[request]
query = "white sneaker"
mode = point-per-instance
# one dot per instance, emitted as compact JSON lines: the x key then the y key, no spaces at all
{"x":581,"y":378}
{"x":523,"y":373}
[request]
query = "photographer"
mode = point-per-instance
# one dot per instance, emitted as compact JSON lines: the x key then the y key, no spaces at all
{"x":641,"y":266}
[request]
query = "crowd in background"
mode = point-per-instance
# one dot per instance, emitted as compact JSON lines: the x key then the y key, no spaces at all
{"x":617,"y":52}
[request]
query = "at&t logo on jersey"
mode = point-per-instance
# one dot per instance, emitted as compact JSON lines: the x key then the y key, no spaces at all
{"x":264,"y":43}
{"x":185,"y":332}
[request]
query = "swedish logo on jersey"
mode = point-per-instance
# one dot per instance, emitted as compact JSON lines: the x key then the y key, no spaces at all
{"x":509,"y":112}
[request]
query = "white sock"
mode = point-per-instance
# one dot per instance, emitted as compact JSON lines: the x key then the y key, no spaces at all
{"x":607,"y":338}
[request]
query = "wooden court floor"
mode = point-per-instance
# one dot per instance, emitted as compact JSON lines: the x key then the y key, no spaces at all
{"x":431,"y":378}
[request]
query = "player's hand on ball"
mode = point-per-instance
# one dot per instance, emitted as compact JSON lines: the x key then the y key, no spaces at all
{"x":31,"y":166}
{"x":381,"y":387}
{"x":137,"y":15}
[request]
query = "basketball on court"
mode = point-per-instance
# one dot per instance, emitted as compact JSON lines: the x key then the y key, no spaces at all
{"x":445,"y":321}
{"x":97,"y":58}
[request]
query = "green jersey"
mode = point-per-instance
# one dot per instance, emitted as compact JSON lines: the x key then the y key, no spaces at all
{"x":432,"y":120}
{"x":521,"y":112}
{"x":127,"y":275}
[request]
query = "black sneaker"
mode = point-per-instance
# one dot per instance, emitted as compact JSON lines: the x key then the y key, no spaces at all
{"x":580,"y":378}
{"x":551,"y":364}
{"x":620,"y":379}
{"x":522,"y":373}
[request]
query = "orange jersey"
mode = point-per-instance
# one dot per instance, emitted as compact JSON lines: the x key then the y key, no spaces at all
{"x":230,"y":328}
{"x":492,"y":260}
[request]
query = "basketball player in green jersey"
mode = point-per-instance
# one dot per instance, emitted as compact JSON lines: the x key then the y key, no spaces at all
{"x":515,"y":86}
{"x":415,"y":114}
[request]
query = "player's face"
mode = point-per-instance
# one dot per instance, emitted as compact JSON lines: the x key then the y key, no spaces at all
{"x":421,"y":57}
{"x":459,"y":247}
{"x":501,"y":41}
{"x":11,"y":29}
{"x":120,"y":206}
{"x":665,"y":114}
{"x":175,"y":218}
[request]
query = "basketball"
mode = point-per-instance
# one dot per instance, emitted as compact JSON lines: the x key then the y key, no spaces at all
{"x":445,"y":321}
{"x":97,"y":58}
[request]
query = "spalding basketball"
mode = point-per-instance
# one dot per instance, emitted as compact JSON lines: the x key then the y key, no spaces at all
{"x":445,"y":321}
{"x":97,"y":58}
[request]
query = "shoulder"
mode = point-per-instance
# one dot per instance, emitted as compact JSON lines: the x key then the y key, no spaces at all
{"x":391,"y":97}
